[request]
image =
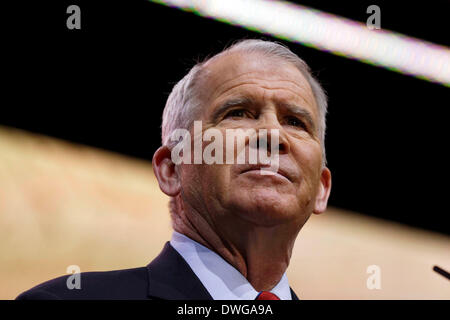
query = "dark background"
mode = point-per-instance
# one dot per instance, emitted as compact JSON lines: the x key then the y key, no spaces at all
{"x":106,"y":85}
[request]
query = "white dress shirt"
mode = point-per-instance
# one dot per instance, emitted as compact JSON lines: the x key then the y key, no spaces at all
{"x":222,"y":280}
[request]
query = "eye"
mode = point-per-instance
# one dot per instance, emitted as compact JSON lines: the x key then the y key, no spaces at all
{"x":295,"y":122}
{"x":236,"y":113}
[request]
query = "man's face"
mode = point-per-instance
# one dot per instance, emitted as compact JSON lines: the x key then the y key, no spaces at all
{"x":251,"y":91}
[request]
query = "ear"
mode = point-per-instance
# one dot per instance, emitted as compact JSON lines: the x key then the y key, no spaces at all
{"x":324,"y":191}
{"x":165,"y":171}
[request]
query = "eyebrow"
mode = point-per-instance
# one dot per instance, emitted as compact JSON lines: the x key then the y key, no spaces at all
{"x":245,"y":101}
{"x":301,"y":112}
{"x":239,"y":101}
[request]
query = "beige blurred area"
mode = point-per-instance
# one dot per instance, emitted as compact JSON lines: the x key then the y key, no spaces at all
{"x":64,"y":204}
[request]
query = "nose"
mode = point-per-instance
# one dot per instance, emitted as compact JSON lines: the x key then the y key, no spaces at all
{"x":270,"y":122}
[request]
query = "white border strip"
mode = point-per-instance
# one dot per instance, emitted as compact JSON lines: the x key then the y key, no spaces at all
{"x":329,"y":33}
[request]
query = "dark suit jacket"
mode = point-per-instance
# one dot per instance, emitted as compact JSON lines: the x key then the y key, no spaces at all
{"x":167,"y":277}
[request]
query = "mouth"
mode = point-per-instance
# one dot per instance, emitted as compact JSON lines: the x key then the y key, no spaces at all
{"x":258,"y":168}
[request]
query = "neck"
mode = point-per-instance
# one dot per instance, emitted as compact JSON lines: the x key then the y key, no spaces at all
{"x":260,"y":253}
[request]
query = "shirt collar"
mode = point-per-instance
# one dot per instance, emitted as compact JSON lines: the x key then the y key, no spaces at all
{"x":221,"y":279}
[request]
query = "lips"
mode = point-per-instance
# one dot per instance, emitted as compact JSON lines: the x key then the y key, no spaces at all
{"x":259,"y":167}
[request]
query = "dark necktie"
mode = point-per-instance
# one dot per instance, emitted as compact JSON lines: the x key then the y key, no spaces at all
{"x":266,"y":295}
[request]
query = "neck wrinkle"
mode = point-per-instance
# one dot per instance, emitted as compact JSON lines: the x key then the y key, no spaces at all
{"x":249,"y":249}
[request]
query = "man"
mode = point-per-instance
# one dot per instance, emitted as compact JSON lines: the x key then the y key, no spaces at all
{"x":234,"y":225}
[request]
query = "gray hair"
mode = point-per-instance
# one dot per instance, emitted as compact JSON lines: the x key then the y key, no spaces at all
{"x":183,"y":103}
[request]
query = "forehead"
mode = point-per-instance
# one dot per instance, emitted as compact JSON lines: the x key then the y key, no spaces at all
{"x":253,"y":73}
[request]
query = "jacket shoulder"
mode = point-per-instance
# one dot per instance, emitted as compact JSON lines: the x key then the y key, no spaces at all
{"x":118,"y":284}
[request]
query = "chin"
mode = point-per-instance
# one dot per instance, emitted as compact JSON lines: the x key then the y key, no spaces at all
{"x":265,"y":208}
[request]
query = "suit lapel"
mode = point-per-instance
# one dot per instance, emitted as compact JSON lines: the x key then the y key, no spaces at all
{"x":294,"y":296}
{"x":171,"y":278}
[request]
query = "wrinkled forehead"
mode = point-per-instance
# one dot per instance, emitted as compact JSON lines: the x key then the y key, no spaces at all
{"x":231,"y":71}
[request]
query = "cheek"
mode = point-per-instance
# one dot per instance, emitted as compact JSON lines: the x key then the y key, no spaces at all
{"x":205,"y":181}
{"x":309,"y":160}
{"x":189,"y":178}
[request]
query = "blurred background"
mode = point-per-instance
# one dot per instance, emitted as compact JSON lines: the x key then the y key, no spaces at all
{"x":80,"y":120}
